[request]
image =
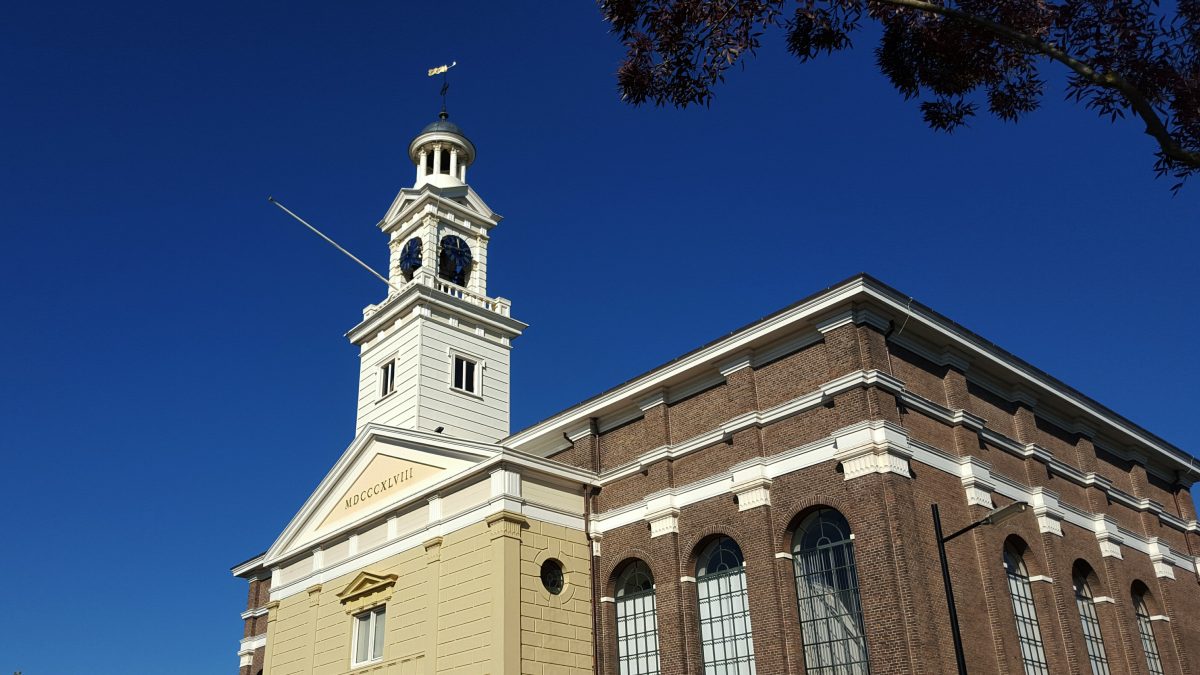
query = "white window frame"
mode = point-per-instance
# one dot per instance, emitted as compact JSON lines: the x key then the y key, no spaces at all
{"x":480,"y":365}
{"x":381,"y":374}
{"x":372,"y":617}
{"x":637,"y":627}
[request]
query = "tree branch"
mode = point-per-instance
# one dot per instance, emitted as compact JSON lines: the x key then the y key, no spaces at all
{"x":1155,"y":126}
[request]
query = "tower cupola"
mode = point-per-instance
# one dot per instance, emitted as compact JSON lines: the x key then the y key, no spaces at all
{"x":442,"y":153}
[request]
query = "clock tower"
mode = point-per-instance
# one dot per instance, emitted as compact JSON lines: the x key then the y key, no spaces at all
{"x":435,"y":352}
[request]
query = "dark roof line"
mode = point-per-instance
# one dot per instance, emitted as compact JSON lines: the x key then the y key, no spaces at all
{"x":253,"y":557}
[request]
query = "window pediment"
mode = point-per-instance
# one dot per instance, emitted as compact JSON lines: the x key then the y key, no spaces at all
{"x":367,"y":590}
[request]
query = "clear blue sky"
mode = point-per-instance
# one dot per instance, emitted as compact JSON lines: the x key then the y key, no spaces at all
{"x":176,"y":377}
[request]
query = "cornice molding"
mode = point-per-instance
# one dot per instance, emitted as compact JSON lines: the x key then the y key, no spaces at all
{"x":864,"y":300}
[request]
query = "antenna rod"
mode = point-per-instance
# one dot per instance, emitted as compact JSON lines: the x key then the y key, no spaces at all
{"x":331,"y":242}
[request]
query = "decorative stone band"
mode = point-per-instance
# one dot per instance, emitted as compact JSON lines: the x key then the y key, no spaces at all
{"x":1161,"y":617}
{"x":1160,"y":556}
{"x":1046,"y":510}
{"x":882,"y":449}
{"x":1104,"y":600}
{"x":1041,"y":577}
{"x":663,"y":520}
{"x":257,"y":611}
{"x":976,"y":479}
{"x":1108,"y":533}
{"x":751,"y":487}
{"x":506,"y":524}
{"x":247,"y":647}
{"x":879,"y":446}
{"x":607,"y":599}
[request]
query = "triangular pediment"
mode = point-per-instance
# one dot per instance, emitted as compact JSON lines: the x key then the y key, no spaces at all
{"x":366,"y":583}
{"x":383,"y":470}
{"x":385,"y":478}
{"x":463,"y":195}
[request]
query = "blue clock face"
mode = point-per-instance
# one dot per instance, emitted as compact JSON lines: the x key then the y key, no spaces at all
{"x":410,"y":258}
{"x":455,"y":262}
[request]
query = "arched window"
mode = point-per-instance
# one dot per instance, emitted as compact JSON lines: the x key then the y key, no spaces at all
{"x":637,"y":621}
{"x":1029,"y":635}
{"x":827,"y":588}
{"x":724,"y":609}
{"x":1091,"y":624}
{"x":455,"y":262}
{"x":410,"y":258}
{"x":1146,"y":630}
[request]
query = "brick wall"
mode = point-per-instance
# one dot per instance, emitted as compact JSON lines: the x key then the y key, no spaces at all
{"x":904,"y":605}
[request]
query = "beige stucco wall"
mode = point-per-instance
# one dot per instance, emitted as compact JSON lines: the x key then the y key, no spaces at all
{"x":471,"y":603}
{"x":556,"y":630}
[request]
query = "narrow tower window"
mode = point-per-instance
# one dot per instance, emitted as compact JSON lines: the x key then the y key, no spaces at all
{"x":1029,"y":635}
{"x":455,"y":262}
{"x":827,"y":588}
{"x":637,"y":621}
{"x":724,"y":609}
{"x":465,"y":376}
{"x":1092,"y":638}
{"x":387,"y":378}
{"x":1146,"y":630}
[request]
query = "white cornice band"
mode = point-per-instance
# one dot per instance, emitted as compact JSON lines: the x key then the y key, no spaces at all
{"x":661,"y":510}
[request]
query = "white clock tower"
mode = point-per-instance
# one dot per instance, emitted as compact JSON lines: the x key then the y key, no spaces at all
{"x":435,"y":352}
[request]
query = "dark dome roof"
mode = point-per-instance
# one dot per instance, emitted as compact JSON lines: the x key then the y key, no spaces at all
{"x":444,"y":125}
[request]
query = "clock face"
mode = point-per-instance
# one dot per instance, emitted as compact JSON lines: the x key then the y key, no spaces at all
{"x":455,"y":262}
{"x":410,"y":257}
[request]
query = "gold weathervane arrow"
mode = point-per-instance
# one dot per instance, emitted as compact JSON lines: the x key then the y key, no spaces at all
{"x":441,"y":69}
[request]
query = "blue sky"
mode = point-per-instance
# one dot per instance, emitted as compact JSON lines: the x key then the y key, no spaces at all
{"x":177,"y":379}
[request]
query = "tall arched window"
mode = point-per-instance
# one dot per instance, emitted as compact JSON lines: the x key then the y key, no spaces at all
{"x":724,"y":609}
{"x":1092,"y":638}
{"x":637,"y":621}
{"x":1146,"y":630}
{"x":1029,"y":635}
{"x":827,"y":587}
{"x":454,"y":264}
{"x":410,"y":258}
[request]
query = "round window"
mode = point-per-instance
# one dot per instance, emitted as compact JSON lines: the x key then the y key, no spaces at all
{"x":552,"y":576}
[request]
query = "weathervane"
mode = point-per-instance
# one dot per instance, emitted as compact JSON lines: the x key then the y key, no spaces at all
{"x":445,"y":83}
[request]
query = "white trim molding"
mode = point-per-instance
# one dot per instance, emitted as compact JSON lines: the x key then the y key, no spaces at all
{"x":976,"y":479}
{"x":662,"y":515}
{"x":1160,"y":555}
{"x":751,"y":487}
{"x":1046,"y":509}
{"x":1108,"y":535}
{"x":878,"y":448}
{"x":247,"y":647}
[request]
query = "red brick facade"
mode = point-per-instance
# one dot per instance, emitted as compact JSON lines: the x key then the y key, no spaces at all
{"x":257,"y":598}
{"x":904,"y":605}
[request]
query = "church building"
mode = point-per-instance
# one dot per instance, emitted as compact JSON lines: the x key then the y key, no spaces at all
{"x":765,"y":503}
